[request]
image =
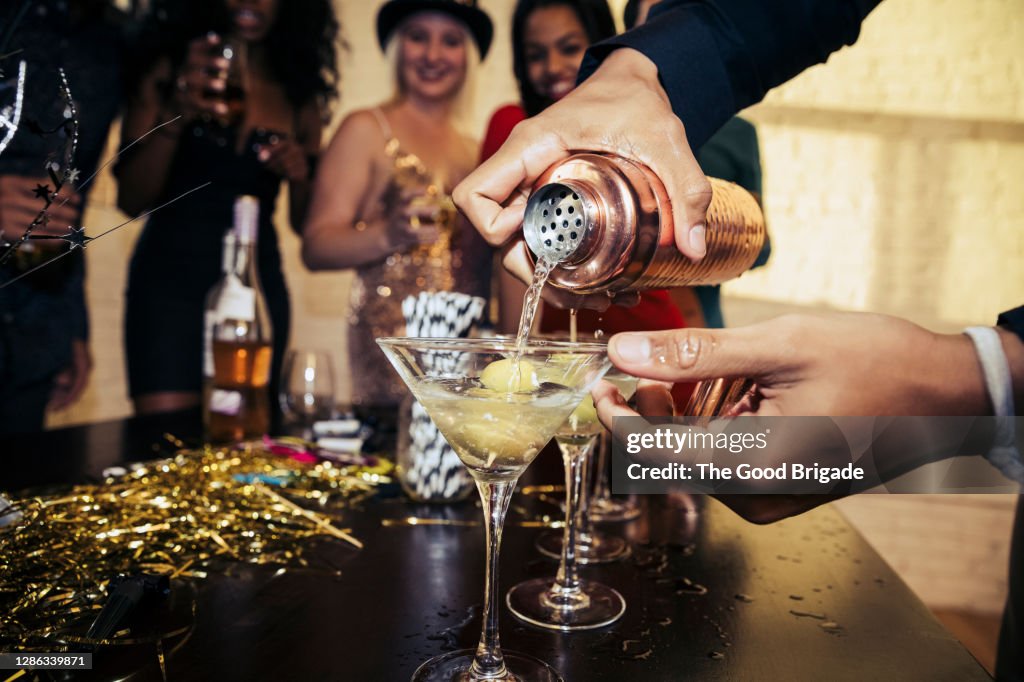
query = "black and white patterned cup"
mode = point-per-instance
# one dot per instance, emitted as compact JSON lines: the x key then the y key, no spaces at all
{"x":428,"y":468}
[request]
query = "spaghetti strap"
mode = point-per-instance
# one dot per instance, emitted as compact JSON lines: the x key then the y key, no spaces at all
{"x":385,"y":128}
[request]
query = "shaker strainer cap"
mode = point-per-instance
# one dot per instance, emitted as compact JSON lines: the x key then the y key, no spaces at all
{"x":556,"y":220}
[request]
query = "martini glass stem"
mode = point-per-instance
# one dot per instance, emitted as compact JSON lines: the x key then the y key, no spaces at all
{"x":574,"y":454}
{"x":489,"y":664}
{"x":584,"y":529}
{"x":601,"y":488}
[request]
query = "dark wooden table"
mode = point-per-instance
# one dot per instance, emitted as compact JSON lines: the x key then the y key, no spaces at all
{"x":709,"y":595}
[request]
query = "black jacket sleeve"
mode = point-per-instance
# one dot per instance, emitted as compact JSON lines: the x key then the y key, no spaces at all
{"x":716,"y":57}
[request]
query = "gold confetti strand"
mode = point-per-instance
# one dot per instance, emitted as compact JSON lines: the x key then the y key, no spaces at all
{"x":115,"y":640}
{"x":160,"y":658}
{"x":542,"y":489}
{"x":16,"y":675}
{"x":215,"y":536}
{"x":539,"y":524}
{"x":519,"y":509}
{"x":312,"y":516}
{"x":174,"y":440}
{"x":188,"y":635}
{"x":181,"y":570}
{"x":70,"y":499}
{"x":417,"y":521}
{"x":547,"y":499}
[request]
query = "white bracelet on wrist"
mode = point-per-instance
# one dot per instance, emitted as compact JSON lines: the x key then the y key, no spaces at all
{"x":1004,"y":454}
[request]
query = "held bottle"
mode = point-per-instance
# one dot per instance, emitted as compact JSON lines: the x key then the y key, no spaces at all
{"x":238,"y":339}
{"x":607,"y":223}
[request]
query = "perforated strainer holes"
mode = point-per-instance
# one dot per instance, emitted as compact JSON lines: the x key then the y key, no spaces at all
{"x":554,"y":221}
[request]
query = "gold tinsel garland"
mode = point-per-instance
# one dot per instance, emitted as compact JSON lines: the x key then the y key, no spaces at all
{"x":176,"y":517}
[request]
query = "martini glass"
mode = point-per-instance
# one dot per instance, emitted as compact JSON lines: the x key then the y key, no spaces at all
{"x":567,"y":602}
{"x":604,"y":507}
{"x":592,"y":546}
{"x":498,"y":406}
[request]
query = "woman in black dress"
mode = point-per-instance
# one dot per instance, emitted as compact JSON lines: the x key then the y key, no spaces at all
{"x":289,"y":77}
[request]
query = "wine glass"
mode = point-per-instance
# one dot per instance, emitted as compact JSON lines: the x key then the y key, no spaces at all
{"x":497,"y":405}
{"x":568,"y":602}
{"x":235,"y":77}
{"x":307,"y":389}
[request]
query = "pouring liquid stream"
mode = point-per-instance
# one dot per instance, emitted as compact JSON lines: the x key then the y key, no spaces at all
{"x":530,"y":303}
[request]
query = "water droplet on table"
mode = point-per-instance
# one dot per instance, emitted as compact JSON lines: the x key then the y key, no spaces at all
{"x":807,"y":614}
{"x":831,"y":627}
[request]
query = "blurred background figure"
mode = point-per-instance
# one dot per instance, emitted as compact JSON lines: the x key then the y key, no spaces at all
{"x":549,"y":38}
{"x":247,"y":84}
{"x":44,"y":332}
{"x":731,"y":154}
{"x":381,"y":202}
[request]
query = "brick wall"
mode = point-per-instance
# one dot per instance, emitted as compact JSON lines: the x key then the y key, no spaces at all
{"x":889,"y":170}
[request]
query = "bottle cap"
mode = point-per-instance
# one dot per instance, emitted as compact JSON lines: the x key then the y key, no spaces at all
{"x":247,"y":212}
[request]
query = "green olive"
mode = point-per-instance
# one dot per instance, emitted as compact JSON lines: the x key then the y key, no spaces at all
{"x":508,"y":376}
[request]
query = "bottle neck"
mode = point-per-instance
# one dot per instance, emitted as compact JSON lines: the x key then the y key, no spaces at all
{"x":245,"y":261}
{"x":227,"y":256}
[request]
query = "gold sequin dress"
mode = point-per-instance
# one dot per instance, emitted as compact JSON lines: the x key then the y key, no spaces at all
{"x":460,"y":261}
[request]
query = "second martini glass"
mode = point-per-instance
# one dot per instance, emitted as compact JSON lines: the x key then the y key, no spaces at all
{"x":592,"y":546}
{"x":604,"y":507}
{"x":498,"y":406}
{"x":567,"y":602}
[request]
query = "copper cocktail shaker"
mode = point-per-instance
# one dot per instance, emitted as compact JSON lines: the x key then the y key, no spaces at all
{"x":607,"y":223}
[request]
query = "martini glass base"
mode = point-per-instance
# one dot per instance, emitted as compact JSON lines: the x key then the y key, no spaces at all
{"x":533,"y":603}
{"x":594,"y":548}
{"x":455,"y":667}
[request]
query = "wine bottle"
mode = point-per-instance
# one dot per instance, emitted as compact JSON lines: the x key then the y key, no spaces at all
{"x":238,"y":338}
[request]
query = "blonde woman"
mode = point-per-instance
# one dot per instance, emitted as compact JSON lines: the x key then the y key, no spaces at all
{"x":380,"y":200}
